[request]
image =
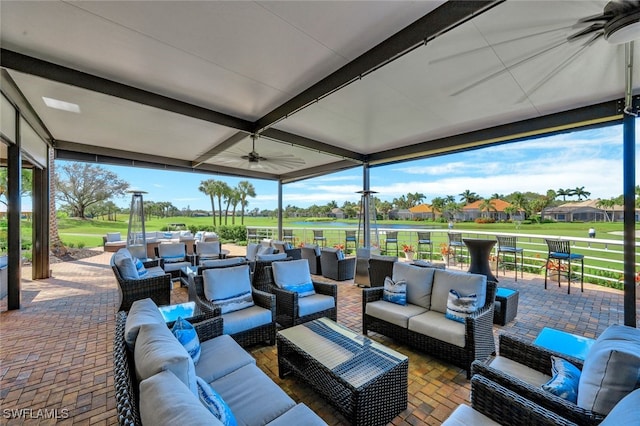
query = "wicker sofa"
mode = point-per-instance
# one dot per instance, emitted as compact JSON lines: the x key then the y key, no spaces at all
{"x":163,"y":395}
{"x":422,"y":322}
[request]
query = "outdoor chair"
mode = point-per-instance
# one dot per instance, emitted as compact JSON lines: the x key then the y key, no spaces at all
{"x":155,"y":284}
{"x":455,"y":243}
{"x":252,"y":235}
{"x":508,"y":246}
{"x":350,"y":237}
{"x":319,"y":238}
{"x":391,"y":238}
{"x":293,"y":307}
{"x":254,"y":322}
{"x":311,"y":253}
{"x":424,"y":240}
{"x":174,"y":257}
{"x":287,"y":235}
{"x":335,"y":266}
{"x":207,"y":251}
{"x":285,"y":247}
{"x":260,"y":278}
{"x":559,"y":251}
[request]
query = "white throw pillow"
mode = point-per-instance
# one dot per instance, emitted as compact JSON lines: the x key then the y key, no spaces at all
{"x":460,"y":306}
{"x":230,"y":288}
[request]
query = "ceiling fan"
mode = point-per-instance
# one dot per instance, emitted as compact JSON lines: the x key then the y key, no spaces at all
{"x":254,"y":160}
{"x":618,"y":23}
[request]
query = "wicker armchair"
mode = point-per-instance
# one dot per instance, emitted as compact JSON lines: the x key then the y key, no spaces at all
{"x":261,"y":279}
{"x":312,"y":254}
{"x":334,"y":268}
{"x":503,"y":406}
{"x":157,"y":288}
{"x":539,"y":359}
{"x":263,"y":333}
{"x":287,"y":303}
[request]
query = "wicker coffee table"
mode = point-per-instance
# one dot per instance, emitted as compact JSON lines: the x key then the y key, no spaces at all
{"x":364,"y":380}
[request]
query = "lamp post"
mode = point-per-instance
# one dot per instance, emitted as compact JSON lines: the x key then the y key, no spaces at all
{"x":136,"y":236}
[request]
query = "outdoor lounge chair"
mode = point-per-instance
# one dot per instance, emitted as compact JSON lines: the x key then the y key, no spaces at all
{"x":336,"y":267}
{"x":156,"y":287}
{"x":311,"y":252}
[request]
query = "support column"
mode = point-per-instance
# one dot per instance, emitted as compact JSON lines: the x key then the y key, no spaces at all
{"x":14,"y":259}
{"x":40,"y":224}
{"x":280,"y":212}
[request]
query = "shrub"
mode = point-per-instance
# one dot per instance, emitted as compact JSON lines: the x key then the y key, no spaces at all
{"x":81,"y":244}
{"x":485,"y":220}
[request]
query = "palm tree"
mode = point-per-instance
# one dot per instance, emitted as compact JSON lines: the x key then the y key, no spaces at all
{"x":563,"y":193}
{"x":437,"y":205}
{"x":519,"y":201}
{"x":207,"y":187}
{"x":580,"y":192}
{"x":245,"y":189}
{"x":233,"y":198}
{"x":415,"y":198}
{"x":496,"y":196}
{"x":220,"y":190}
{"x":468,"y":197}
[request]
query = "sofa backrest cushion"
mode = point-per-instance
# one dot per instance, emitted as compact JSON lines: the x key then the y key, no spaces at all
{"x":172,"y":252}
{"x":143,"y":311}
{"x":262,"y":250}
{"x":419,"y":283}
{"x":252,"y":251}
{"x":157,"y":350}
{"x":208,"y":249}
{"x":165,"y":400}
{"x":271,"y":257}
{"x":462,"y":282}
{"x":611,"y":369}
{"x":293,"y":276}
{"x":223,"y":262}
{"x":113,"y":237}
{"x":125,"y":264}
{"x":626,"y":412}
{"x":230,"y":288}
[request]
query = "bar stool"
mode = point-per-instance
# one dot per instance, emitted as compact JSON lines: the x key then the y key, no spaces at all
{"x":252,"y":234}
{"x":455,"y":243}
{"x":508,"y":245}
{"x":560,"y":251}
{"x":287,"y":235}
{"x":392,"y":238}
{"x":318,"y":235}
{"x":424,"y":239}
{"x":350,"y":237}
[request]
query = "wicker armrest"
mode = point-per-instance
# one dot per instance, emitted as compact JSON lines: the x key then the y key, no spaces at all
{"x":372,"y":294}
{"x":209,"y":329}
{"x":326,"y":289}
{"x":264,"y":300}
{"x":208,"y":306}
{"x":537,"y":395}
{"x":508,"y":408}
{"x":533,"y":356}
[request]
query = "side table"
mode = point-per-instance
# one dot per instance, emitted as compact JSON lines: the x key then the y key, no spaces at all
{"x":505,"y":308}
{"x":565,"y":343}
{"x":189,"y":311}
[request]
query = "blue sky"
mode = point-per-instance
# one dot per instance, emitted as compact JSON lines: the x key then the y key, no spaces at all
{"x":591,"y":158}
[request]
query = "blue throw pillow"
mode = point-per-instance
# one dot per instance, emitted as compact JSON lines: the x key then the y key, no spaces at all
{"x":340,"y":255}
{"x":303,"y":290}
{"x":187,"y":336}
{"x":395,"y":292}
{"x":142,"y":271}
{"x":214,"y":403}
{"x":459,"y":307}
{"x":565,"y":380}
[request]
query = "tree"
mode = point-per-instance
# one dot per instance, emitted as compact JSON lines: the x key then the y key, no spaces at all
{"x":233,"y":198}
{"x":207,"y":187}
{"x":580,"y":192}
{"x":81,"y":185}
{"x":564,"y":193}
{"x":246,"y":189}
{"x":220,"y":190}
{"x":25,"y":187}
{"x":468,"y":197}
{"x":488,"y":206}
{"x":415,"y":198}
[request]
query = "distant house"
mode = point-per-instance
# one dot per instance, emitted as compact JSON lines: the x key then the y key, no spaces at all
{"x":422,"y":211}
{"x":402,"y":214}
{"x":337,"y":213}
{"x":472,"y":211}
{"x":27,"y":211}
{"x":585,"y":211}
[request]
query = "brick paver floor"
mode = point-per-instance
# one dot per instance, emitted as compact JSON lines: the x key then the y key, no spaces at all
{"x":56,"y":351}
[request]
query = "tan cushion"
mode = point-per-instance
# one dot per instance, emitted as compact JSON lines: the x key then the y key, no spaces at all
{"x":419,"y":283}
{"x":464,"y":415}
{"x":520,"y":371}
{"x":393,"y":313}
{"x":436,"y":325}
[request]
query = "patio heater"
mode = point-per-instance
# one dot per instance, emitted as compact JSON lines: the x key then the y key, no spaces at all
{"x":136,"y":237}
{"x":367,"y":237}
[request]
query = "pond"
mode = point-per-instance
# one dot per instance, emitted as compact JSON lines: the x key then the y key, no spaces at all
{"x":311,"y":224}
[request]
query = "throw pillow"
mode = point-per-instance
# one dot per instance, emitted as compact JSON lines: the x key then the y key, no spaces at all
{"x":214,"y":403}
{"x":340,"y":254}
{"x":229,"y":288}
{"x":395,"y":292}
{"x":123,"y":261}
{"x":294,"y":275}
{"x":565,"y":380}
{"x":142,"y":271}
{"x":459,"y":307}
{"x":187,"y":336}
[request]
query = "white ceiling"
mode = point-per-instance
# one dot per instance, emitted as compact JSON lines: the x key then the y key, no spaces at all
{"x":245,"y":59}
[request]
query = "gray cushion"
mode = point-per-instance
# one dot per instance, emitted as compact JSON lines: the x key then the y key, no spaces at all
{"x":154,"y":271}
{"x":271,"y":257}
{"x":252,"y":251}
{"x":125,"y":264}
{"x":611,"y":369}
{"x":228,"y":287}
{"x":314,"y":303}
{"x":520,"y":371}
{"x":298,"y":415}
{"x":165,"y":400}
{"x":626,"y":412}
{"x":174,"y":252}
{"x":262,"y":250}
{"x":253,"y":397}
{"x":209,"y":249}
{"x":393,"y":313}
{"x":157,"y":350}
{"x":223,"y":262}
{"x":175,"y":266}
{"x":245,"y":319}
{"x":419,"y":283}
{"x":434,"y":324}
{"x":463,"y":282}
{"x":112,"y":237}
{"x":286,"y":274}
{"x":464,"y":415}
{"x":143,"y":311}
{"x":220,"y":356}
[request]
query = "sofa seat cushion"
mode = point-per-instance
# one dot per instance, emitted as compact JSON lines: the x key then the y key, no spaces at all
{"x":315,"y":303}
{"x":252,"y":396}
{"x":298,"y":415}
{"x":175,"y":266}
{"x":520,"y":371}
{"x":245,"y":319}
{"x":462,"y":282}
{"x":419,"y":283}
{"x":221,"y":356}
{"x":165,"y":400}
{"x":437,"y":326}
{"x":464,"y":415}
{"x":611,"y":369}
{"x":143,"y":311}
{"x":157,"y":350}
{"x":625,"y":412}
{"x":393,"y":313}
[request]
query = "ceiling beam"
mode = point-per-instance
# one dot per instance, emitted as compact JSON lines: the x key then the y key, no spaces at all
{"x":38,"y":67}
{"x":312,"y":144}
{"x":437,"y":22}
{"x":317,"y":171}
{"x":597,"y":115}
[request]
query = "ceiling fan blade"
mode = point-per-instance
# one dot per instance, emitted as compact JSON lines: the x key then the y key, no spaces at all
{"x":590,"y":29}
{"x":595,"y":18}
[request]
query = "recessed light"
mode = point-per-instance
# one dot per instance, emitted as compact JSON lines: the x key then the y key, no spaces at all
{"x":64,"y":106}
